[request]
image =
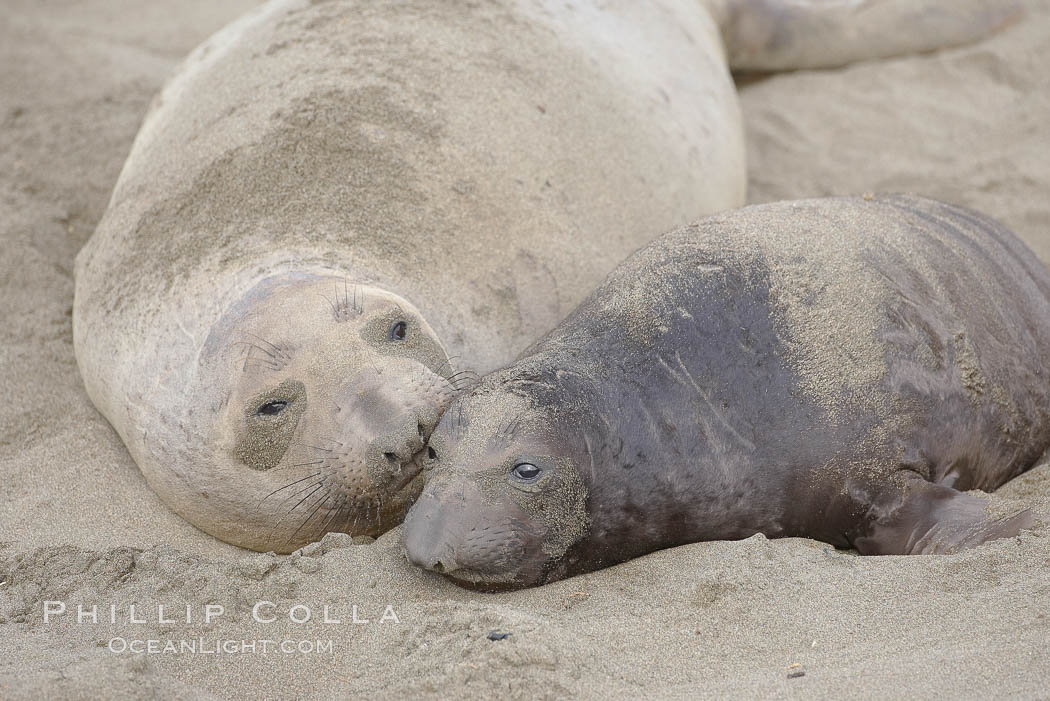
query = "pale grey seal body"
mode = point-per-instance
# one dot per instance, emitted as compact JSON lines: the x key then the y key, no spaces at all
{"x":840,"y":369}
{"x":333,"y":205}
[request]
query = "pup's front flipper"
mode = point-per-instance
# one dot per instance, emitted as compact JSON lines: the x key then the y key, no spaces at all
{"x":772,"y":35}
{"x":916,"y":517}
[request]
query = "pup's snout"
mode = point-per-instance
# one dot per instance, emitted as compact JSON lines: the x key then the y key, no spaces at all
{"x":424,"y":539}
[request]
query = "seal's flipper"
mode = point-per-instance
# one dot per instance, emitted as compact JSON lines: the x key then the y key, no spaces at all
{"x":770,"y":35}
{"x":920,"y":518}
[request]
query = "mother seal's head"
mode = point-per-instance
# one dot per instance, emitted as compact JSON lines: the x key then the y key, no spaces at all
{"x":310,"y":412}
{"x":507,"y":500}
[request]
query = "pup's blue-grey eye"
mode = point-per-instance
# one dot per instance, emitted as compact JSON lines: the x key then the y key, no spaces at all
{"x":398,"y":331}
{"x":526,"y":471}
{"x":272,"y":408}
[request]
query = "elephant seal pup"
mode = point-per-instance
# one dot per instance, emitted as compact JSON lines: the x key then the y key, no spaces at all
{"x":840,"y":369}
{"x":334,"y":205}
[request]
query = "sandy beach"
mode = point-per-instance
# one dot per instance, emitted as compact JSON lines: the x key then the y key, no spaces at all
{"x":749,"y":619}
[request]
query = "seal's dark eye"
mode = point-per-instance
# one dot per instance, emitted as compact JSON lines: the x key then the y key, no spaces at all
{"x":272,"y":408}
{"x":526,"y":471}
{"x":398,"y":330}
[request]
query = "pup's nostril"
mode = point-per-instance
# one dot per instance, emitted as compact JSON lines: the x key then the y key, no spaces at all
{"x":392,"y":457}
{"x":437,"y":567}
{"x":431,"y":453}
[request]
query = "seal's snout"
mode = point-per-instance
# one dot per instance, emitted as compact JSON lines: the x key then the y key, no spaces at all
{"x":441,"y":565}
{"x":424,"y":538}
{"x":395,"y":455}
{"x":403,"y":440}
{"x":393,"y":413}
{"x":456,"y":531}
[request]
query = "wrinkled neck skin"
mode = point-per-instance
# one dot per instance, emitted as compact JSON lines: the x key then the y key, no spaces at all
{"x":657,"y":478}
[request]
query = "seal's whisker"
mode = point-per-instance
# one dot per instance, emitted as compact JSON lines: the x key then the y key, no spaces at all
{"x":254,"y":345}
{"x":271,"y":361}
{"x":357,"y":513}
{"x":334,"y":512}
{"x":330,"y":303}
{"x":300,"y":464}
{"x":321,"y":461}
{"x":457,"y":422}
{"x":277,"y":349}
{"x":319,"y":484}
{"x":304,"y":464}
{"x":360,"y":308}
{"x":342,"y":518}
{"x":327,"y":495}
{"x":333,"y":441}
{"x":468,"y":374}
{"x":502,"y":430}
{"x":466,"y":383}
{"x":448,"y":361}
{"x":515,"y":424}
{"x":261,"y":361}
{"x":285,"y":487}
{"x":316,"y":447}
{"x":457,"y":379}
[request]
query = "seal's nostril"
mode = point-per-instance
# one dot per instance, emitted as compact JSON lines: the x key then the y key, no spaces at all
{"x":431,"y":453}
{"x":392,"y":457}
{"x":437,"y":567}
{"x":422,"y":431}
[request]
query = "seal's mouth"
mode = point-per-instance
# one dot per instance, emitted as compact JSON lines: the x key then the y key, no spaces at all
{"x":479,"y":582}
{"x":410,"y":471}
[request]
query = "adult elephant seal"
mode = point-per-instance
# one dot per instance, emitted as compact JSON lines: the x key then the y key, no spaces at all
{"x":840,"y":369}
{"x":333,"y":201}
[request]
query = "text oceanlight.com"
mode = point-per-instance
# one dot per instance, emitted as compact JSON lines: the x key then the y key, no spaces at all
{"x":202,"y":646}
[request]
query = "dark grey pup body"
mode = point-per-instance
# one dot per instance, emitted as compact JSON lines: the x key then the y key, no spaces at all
{"x":841,"y":369}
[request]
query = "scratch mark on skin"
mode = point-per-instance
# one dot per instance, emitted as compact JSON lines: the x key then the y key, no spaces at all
{"x":714,"y":410}
{"x":188,"y":334}
{"x":590,"y":453}
{"x":710,"y":435}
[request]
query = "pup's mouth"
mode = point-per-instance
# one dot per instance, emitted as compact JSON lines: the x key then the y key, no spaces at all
{"x":488,"y":584}
{"x":410,"y":471}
